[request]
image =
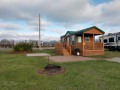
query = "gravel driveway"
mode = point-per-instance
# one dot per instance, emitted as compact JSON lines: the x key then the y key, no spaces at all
{"x":71,"y":58}
{"x":117,"y":59}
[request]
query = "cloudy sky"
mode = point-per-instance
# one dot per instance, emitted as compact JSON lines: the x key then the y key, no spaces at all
{"x":19,"y":18}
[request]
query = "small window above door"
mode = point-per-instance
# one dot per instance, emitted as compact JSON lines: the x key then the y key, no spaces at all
{"x":87,"y":38}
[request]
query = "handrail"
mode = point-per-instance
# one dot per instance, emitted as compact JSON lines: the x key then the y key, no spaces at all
{"x":68,"y":47}
{"x":60,"y":49}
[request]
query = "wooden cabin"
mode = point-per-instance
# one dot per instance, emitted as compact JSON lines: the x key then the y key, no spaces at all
{"x":84,"y":40}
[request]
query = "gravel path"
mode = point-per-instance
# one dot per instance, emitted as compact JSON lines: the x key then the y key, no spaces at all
{"x":71,"y":58}
{"x":116,"y":59}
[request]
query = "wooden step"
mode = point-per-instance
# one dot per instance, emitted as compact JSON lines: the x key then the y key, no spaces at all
{"x":61,"y":50}
{"x":65,"y":52}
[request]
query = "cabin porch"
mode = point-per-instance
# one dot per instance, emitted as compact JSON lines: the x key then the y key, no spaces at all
{"x":89,"y":48}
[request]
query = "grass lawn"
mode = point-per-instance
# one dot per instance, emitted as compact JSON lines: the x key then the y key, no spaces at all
{"x":49,"y":51}
{"x":108,"y":54}
{"x":18,"y":72}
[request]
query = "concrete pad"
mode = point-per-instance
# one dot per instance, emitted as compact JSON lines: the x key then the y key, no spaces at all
{"x":38,"y":54}
{"x":69,"y":58}
{"x":117,"y":59}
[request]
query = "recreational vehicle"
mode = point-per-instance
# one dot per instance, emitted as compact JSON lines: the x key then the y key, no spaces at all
{"x":112,"y":41}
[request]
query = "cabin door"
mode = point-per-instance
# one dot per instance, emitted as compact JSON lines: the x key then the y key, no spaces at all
{"x":79,"y":39}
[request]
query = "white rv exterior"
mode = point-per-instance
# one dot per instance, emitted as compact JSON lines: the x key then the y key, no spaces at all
{"x":112,"y":41}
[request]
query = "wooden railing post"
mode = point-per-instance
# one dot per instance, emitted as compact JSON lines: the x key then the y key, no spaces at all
{"x":83,"y":43}
{"x":93,"y":42}
{"x":103,"y":41}
{"x":70,"y":49}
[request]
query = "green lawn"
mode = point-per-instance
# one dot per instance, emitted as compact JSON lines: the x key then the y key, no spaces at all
{"x":49,"y":51}
{"x":108,"y":54}
{"x":18,"y":72}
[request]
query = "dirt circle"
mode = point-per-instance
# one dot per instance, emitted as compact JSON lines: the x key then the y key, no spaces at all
{"x":51,"y":70}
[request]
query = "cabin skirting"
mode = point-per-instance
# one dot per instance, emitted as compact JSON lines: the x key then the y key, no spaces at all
{"x":92,"y":52}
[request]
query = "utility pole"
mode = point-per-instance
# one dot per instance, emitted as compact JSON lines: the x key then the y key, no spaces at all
{"x":39,"y":42}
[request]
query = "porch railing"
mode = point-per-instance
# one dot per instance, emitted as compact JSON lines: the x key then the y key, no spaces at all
{"x":98,"y":46}
{"x":68,"y":47}
{"x":59,"y":48}
{"x":90,"y":46}
{"x":93,"y":46}
{"x":79,"y":45}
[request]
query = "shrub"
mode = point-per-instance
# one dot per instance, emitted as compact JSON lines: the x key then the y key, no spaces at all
{"x":22,"y":46}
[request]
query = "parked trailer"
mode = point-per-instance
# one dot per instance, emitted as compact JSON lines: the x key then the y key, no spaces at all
{"x":112,"y":41}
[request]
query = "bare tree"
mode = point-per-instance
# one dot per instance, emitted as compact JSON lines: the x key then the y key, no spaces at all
{"x":4,"y":43}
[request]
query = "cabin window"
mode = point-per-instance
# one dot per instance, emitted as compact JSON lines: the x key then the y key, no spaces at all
{"x":73,"y":40}
{"x":105,"y":40}
{"x":118,"y":38}
{"x":79,"y":39}
{"x":62,"y":39}
{"x":111,"y":39}
{"x":68,"y":40}
{"x":87,"y":38}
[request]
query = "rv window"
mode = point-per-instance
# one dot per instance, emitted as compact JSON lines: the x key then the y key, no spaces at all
{"x":111,"y":39}
{"x":105,"y":40}
{"x":87,"y":38}
{"x":118,"y":38}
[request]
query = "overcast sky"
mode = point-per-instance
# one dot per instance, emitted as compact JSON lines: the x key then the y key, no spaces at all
{"x":19,"y":18}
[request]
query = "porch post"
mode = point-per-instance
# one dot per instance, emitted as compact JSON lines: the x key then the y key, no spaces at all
{"x":64,"y":41}
{"x":70,"y":43}
{"x":103,"y":41}
{"x":70,"y":40}
{"x":83,"y":43}
{"x":93,"y":41}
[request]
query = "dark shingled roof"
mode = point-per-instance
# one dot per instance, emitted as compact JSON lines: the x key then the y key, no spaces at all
{"x":86,"y":29}
{"x":83,"y":30}
{"x":71,"y":32}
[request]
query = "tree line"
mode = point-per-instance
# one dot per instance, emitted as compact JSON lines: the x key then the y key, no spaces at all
{"x":5,"y":43}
